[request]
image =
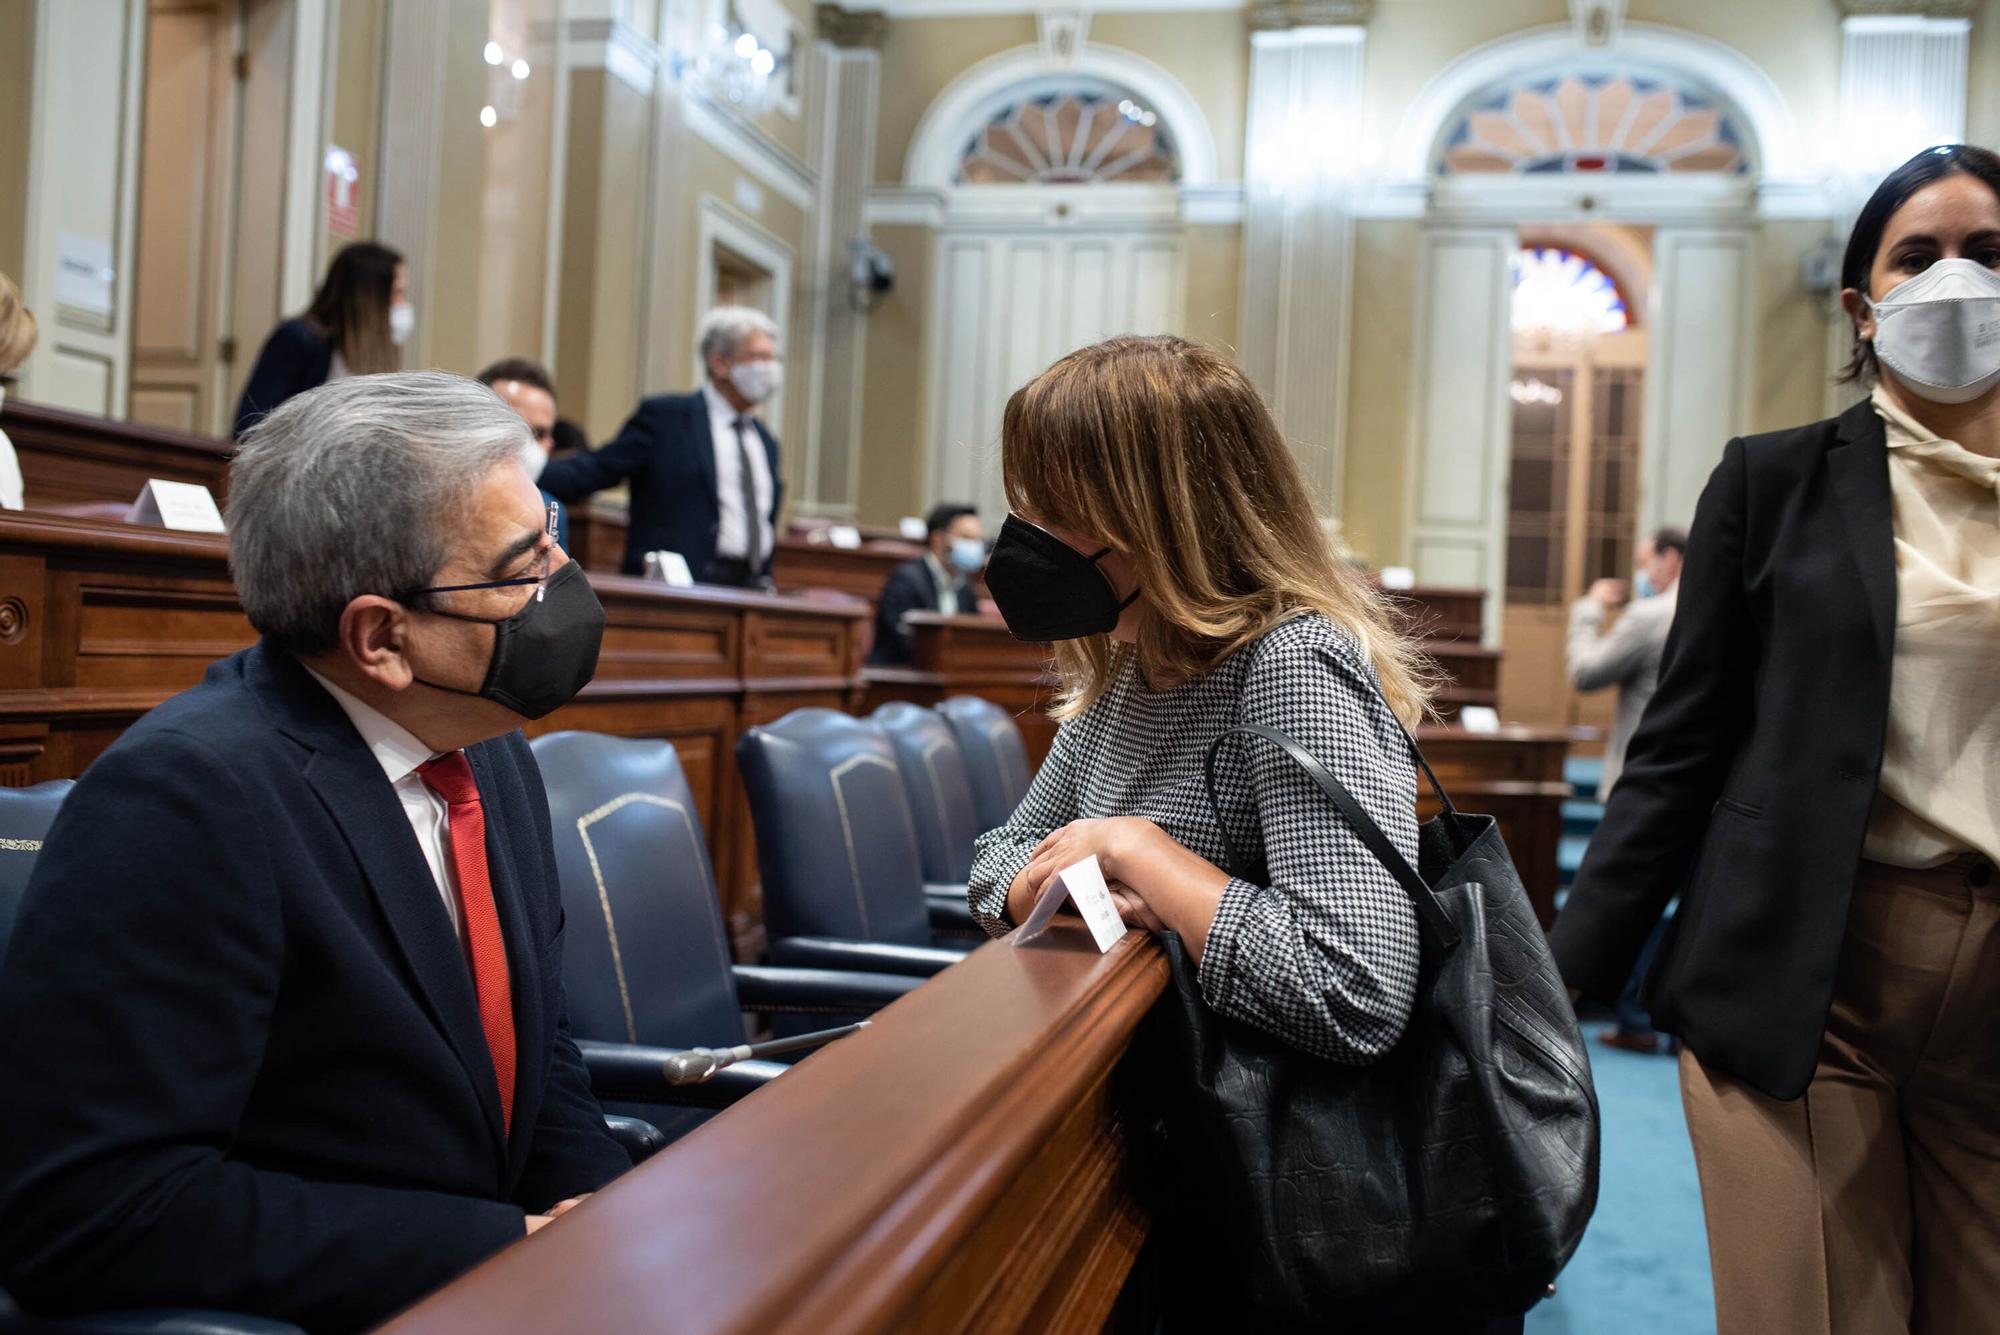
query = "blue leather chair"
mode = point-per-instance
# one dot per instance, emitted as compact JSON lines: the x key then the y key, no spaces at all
{"x":940,"y":794}
{"x":843,"y":880}
{"x":996,"y":760}
{"x":25,"y":817}
{"x":646,"y":962}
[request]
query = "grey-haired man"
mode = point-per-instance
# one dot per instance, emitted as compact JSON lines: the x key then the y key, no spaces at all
{"x":703,"y":468}
{"x":282,"y":1026}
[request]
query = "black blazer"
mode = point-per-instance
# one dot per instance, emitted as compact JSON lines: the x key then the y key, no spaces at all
{"x":296,"y":358}
{"x":1748,"y":785}
{"x":241,"y":1064}
{"x":909,"y":588}
{"x":667,"y":453}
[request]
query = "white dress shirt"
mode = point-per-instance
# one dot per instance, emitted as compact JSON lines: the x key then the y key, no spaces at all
{"x":399,"y":753}
{"x":732,"y":537}
{"x":945,"y":584}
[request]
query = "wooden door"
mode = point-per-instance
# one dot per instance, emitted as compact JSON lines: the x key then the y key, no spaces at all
{"x":180,"y":358}
{"x":1572,"y":518}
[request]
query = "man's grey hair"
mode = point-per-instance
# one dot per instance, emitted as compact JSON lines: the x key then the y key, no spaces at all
{"x":723,"y":330}
{"x":357,"y":487}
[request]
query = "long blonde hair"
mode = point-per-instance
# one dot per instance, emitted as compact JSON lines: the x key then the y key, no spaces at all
{"x":1164,"y":450}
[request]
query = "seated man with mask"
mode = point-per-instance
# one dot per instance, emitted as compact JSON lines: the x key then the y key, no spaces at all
{"x":282,"y":1026}
{"x":938,"y":581}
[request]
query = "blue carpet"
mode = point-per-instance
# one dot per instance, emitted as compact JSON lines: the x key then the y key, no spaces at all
{"x":1643,"y":1265}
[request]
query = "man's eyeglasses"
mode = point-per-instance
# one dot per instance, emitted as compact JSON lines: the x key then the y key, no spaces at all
{"x":539,"y":579}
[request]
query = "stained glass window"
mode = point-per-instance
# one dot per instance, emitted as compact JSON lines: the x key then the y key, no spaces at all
{"x":1594,"y":123}
{"x":1073,"y":136}
{"x":1559,"y":291}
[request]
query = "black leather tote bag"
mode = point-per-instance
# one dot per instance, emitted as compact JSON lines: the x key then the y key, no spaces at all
{"x":1443,"y":1186}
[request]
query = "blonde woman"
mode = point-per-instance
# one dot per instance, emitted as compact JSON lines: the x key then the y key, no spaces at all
{"x":18,"y":332}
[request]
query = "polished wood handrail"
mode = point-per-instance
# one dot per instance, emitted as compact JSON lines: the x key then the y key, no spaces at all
{"x":888,"y":1183}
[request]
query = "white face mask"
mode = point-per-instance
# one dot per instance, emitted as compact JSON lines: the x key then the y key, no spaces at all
{"x":402,"y":322}
{"x":534,"y":458}
{"x":757,"y":381}
{"x":1940,"y":331}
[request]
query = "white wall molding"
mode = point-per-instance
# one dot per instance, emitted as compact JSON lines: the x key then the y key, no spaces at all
{"x":1212,"y":203}
{"x":905,"y":206}
{"x":305,"y":151}
{"x":1702,"y":360}
{"x":413,"y":146}
{"x":611,"y":45}
{"x":1785,"y":168}
{"x":1460,"y":414}
{"x":848,"y":90}
{"x":978,"y":93}
{"x":750,"y":148}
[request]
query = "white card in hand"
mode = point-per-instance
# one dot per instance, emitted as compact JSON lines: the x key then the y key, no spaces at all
{"x":1083,"y":883}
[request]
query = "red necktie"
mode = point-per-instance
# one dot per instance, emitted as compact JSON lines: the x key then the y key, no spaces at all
{"x":450,"y":777}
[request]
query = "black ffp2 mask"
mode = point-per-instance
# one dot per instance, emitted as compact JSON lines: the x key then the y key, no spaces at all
{"x":1048,"y":590}
{"x":546,"y":652}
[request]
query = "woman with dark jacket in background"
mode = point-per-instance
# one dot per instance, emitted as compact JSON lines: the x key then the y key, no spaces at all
{"x":1818,"y":777}
{"x":356,"y":325}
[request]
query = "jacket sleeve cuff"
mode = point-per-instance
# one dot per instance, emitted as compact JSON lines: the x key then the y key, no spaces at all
{"x":1218,"y":955}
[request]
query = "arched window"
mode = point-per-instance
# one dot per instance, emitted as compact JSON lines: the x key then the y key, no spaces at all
{"x":1559,"y":291}
{"x":1071,"y":135}
{"x":1595,"y":122}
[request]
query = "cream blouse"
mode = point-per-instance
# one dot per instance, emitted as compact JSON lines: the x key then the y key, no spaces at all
{"x":1939,"y":794}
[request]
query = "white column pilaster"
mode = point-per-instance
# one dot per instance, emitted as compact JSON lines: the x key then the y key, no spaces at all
{"x":413,"y":143}
{"x":1298,"y":236}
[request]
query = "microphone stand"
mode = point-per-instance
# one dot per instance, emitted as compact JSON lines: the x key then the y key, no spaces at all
{"x":698,"y":1065}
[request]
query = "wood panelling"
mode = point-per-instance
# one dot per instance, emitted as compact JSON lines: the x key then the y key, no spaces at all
{"x":100,"y":622}
{"x":70,"y":459}
{"x":902,"y":1179}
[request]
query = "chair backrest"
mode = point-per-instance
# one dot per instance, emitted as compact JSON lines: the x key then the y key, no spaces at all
{"x":835,"y":841}
{"x":996,"y":760}
{"x":645,"y":955}
{"x":939,"y":789}
{"x":25,"y":817}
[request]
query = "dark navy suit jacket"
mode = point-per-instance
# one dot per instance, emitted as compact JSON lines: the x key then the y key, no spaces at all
{"x":295,"y":358}
{"x":241,"y":1064}
{"x":667,"y":453}
{"x":909,"y":588}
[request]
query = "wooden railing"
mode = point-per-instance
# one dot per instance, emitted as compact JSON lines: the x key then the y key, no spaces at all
{"x":958,"y":1166}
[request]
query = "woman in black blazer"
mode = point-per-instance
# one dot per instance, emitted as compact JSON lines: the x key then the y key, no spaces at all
{"x":356,"y":325}
{"x":1834,"y":967}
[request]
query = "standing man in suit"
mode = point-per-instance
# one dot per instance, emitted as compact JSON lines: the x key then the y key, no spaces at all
{"x":938,"y":581}
{"x":703,"y":469}
{"x":282,"y":1025}
{"x":1628,"y":657}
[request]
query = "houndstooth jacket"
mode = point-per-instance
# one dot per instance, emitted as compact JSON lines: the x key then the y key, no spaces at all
{"x":1314,"y":941}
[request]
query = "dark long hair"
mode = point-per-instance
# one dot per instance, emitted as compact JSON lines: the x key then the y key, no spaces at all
{"x":352,"y":307}
{"x":1865,"y":241}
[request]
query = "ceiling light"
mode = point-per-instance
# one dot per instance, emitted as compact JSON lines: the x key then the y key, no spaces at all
{"x":520,"y":69}
{"x":488,"y":116}
{"x":493,"y":53}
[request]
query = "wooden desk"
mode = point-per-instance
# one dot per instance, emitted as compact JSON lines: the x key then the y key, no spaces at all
{"x":1514,"y":775}
{"x":100,"y":622}
{"x":973,"y":655}
{"x":903,"y":1179}
{"x":69,"y":459}
{"x":1441,"y":612}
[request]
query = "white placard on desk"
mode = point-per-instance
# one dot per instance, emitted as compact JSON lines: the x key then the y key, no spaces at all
{"x":1398,"y":577}
{"x":1083,"y":884}
{"x":913,"y":528}
{"x":1479,"y":718}
{"x":180,"y":505}
{"x":671,"y":567}
{"x":844,"y":536}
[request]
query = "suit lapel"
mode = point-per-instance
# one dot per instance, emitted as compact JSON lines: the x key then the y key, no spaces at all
{"x":1859,"y":466}
{"x":350,"y":784}
{"x":702,"y":433}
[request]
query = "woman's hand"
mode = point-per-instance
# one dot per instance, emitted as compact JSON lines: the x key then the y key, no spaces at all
{"x":1133,"y":909}
{"x":1114,"y":841}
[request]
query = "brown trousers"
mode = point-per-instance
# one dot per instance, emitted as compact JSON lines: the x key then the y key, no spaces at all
{"x":1871,"y":1206}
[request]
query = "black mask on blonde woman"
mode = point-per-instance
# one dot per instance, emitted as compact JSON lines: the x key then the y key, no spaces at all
{"x":1046,"y":589}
